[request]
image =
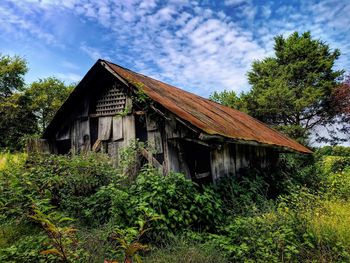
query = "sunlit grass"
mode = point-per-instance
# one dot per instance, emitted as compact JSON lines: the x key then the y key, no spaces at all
{"x":11,"y":158}
{"x":332,"y":222}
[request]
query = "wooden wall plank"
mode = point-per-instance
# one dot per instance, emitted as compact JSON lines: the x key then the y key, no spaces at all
{"x":129,"y":132}
{"x":104,"y":128}
{"x":80,"y":136}
{"x":222,"y":162}
{"x":117,"y":129}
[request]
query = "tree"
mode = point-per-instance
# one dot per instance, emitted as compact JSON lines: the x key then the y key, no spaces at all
{"x":12,"y":71}
{"x":341,"y":97}
{"x":341,"y":107}
{"x":229,"y":98}
{"x":46,"y":96}
{"x":293,"y":90}
{"x":16,"y":121}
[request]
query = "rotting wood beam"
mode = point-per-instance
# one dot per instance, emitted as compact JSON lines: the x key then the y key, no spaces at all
{"x":212,"y":146}
{"x":97,"y":146}
{"x":160,"y":112}
{"x":149,"y":156}
{"x":187,"y":125}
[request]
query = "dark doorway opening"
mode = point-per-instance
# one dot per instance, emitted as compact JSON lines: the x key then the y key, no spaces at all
{"x":197,"y":157}
{"x":63,"y":146}
{"x":141,"y":128}
{"x":93,"y":130}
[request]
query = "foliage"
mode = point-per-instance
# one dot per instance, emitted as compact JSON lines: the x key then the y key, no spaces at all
{"x":71,"y":184}
{"x":25,"y":111}
{"x":297,"y":213}
{"x":62,"y":240}
{"x":8,"y":160}
{"x":16,"y":121}
{"x":182,"y":249}
{"x":46,"y":96}
{"x":129,"y":239}
{"x":25,"y":248}
{"x":12,"y":71}
{"x":341,"y":106}
{"x":296,"y":90}
{"x":334,"y":151}
{"x":293,"y":90}
{"x":129,"y":163}
{"x":337,"y":174}
{"x":265,"y":238}
{"x":329,"y":227}
{"x":244,"y":195}
{"x":180,"y":202}
{"x":229,"y":98}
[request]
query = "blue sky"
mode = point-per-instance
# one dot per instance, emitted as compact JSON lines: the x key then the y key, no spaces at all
{"x":200,"y":46}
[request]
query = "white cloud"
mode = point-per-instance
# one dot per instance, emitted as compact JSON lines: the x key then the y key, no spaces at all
{"x":93,"y":53}
{"x":234,"y":2}
{"x":14,"y":23}
{"x":186,"y":43}
{"x":266,"y":11}
{"x":69,"y":65}
{"x":69,"y":77}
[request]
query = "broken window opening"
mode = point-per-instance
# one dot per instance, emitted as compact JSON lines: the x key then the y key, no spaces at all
{"x":198,"y":161}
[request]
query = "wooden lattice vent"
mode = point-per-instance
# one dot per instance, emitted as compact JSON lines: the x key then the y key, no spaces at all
{"x":111,"y":102}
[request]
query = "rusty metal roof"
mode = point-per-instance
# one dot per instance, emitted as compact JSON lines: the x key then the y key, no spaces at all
{"x":206,"y":115}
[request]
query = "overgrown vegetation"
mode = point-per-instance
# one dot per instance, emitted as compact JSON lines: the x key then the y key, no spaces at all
{"x":81,"y":209}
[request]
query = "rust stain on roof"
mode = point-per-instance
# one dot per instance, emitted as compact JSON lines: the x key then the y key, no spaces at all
{"x":208,"y":116}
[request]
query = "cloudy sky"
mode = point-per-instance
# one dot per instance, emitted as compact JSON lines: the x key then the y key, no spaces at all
{"x":200,"y":46}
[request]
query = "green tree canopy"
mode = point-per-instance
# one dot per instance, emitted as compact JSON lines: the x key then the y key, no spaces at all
{"x":12,"y":71}
{"x":228,"y":98}
{"x":292,"y":91}
{"x":46,"y":96}
{"x":16,"y":121}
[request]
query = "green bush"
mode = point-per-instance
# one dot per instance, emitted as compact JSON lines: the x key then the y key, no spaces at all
{"x":180,"y":202}
{"x":71,"y":183}
{"x":244,"y":195}
{"x":108,"y":203}
{"x":334,"y":151}
{"x":265,"y":238}
{"x":22,"y":242}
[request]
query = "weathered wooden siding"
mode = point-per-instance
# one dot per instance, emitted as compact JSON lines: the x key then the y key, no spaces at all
{"x":80,"y":135}
{"x":223,"y":161}
{"x":173,"y":150}
{"x":129,"y":132}
{"x":233,"y":159}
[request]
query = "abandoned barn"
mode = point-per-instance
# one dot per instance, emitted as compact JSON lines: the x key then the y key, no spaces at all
{"x":112,"y":106}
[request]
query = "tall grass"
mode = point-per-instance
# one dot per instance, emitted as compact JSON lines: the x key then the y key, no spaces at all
{"x":185,"y":250}
{"x":332,"y":222}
